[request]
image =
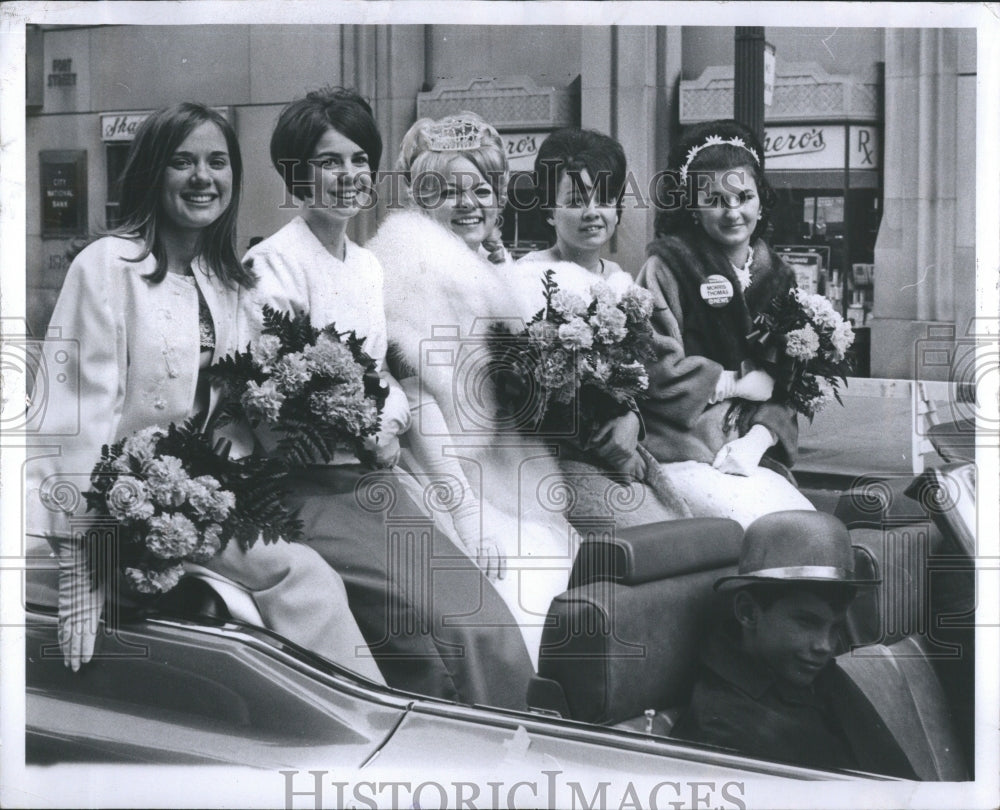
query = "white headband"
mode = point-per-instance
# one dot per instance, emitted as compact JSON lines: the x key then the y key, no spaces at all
{"x":715,"y":140}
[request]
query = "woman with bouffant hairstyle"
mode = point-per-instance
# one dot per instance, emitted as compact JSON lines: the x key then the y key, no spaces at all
{"x":426,"y":167}
{"x":710,"y":414}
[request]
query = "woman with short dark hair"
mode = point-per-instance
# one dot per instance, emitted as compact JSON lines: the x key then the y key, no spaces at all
{"x":432,"y":621}
{"x":580,"y":179}
{"x":304,"y":122}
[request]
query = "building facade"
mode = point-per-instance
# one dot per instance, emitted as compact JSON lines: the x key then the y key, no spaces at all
{"x":871,"y":135}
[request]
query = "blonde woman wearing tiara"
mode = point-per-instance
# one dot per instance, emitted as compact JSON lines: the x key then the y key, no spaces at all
{"x":727,"y":461}
{"x":444,"y":288}
{"x":432,"y":621}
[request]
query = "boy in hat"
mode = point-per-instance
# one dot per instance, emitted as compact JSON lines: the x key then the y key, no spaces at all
{"x":766,"y":678}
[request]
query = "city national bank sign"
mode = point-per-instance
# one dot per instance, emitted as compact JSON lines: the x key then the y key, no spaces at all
{"x":811,"y":146}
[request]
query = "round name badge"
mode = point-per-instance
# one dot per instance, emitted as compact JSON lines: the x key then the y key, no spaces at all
{"x":716,"y":291}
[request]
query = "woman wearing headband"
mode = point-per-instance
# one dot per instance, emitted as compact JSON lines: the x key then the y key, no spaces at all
{"x":711,"y":273}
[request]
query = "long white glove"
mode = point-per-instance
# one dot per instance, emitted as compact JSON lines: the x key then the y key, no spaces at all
{"x":427,"y":440}
{"x":742,"y":456}
{"x":80,"y":605}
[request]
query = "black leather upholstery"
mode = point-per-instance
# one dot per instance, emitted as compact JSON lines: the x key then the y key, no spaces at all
{"x":618,"y":649}
{"x":872,"y":503}
{"x":657,"y":551}
{"x":620,"y":642}
{"x":193,"y":597}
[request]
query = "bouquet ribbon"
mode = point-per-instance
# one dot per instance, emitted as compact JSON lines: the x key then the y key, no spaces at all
{"x":765,"y":344}
{"x":375,"y":387}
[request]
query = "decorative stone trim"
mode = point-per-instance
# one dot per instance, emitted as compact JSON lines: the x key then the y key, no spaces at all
{"x":802,"y":92}
{"x":510,"y":103}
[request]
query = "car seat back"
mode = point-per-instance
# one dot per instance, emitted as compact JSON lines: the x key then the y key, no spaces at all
{"x":624,"y":639}
{"x":625,"y":636}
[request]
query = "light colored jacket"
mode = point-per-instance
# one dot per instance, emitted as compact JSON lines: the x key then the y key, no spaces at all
{"x":296,"y":274}
{"x":122,"y":353}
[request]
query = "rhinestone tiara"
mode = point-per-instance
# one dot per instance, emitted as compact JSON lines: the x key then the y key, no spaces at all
{"x":455,"y":135}
{"x":715,"y":140}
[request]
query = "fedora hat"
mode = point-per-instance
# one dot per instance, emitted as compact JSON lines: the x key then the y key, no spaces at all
{"x":795,"y":546}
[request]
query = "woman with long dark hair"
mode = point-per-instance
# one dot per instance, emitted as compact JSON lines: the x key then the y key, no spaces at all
{"x":149,"y":307}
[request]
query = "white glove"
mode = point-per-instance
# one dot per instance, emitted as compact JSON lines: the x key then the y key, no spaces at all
{"x":491,"y":557}
{"x":742,"y":456}
{"x":382,"y":450}
{"x":757,"y":386}
{"x":80,"y":605}
{"x":724,"y":387}
{"x":486,"y":549}
{"x":427,"y":441}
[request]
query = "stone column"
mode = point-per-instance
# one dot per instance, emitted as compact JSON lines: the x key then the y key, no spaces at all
{"x":628,"y":86}
{"x":919,"y":290}
{"x":386,"y":64}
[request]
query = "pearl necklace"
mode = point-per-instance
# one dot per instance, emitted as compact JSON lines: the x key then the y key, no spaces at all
{"x":743,"y":273}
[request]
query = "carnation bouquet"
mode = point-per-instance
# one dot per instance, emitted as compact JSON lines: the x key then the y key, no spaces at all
{"x":317,"y":388}
{"x":579,"y":362}
{"x":177,"y":498}
{"x":803,"y":343}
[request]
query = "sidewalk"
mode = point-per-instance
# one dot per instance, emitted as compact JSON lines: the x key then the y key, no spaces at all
{"x":869,"y":435}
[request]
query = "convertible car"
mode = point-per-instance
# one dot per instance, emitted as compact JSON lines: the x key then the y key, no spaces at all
{"x":193,"y":680}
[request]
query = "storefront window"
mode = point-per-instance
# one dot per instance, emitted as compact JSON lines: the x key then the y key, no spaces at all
{"x":115,"y":154}
{"x":523,"y":227}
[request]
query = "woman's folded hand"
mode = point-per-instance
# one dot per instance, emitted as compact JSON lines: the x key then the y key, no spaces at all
{"x":742,"y":456}
{"x":635,"y":467}
{"x":382,"y":451}
{"x":616,"y":440}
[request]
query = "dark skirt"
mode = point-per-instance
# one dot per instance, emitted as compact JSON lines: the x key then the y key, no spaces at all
{"x":434,"y":624}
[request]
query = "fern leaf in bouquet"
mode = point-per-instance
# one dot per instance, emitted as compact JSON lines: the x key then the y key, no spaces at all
{"x":177,"y":498}
{"x":317,"y":389}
